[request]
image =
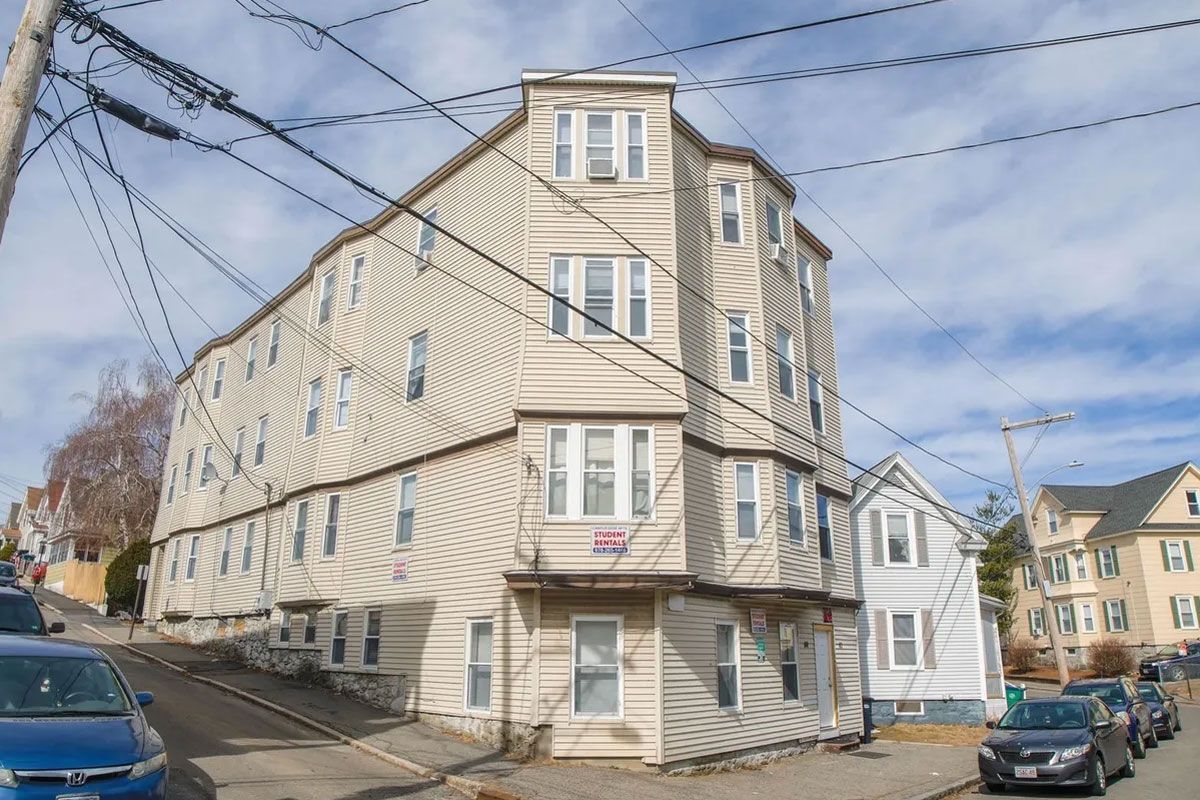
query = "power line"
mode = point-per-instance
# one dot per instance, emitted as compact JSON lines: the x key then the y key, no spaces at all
{"x":375,"y":14}
{"x":196,"y":83}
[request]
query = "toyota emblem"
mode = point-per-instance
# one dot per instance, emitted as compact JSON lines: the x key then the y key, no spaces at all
{"x":1024,"y":754}
{"x":76,"y":778}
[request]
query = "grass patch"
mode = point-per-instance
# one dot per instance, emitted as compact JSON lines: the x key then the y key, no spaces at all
{"x":956,"y":735}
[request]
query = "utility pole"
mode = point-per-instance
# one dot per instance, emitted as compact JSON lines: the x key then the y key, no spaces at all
{"x":1050,"y":622}
{"x":18,"y":90}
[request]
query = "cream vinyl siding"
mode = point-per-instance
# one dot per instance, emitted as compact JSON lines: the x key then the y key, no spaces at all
{"x":654,"y":544}
{"x":1160,"y":586}
{"x":694,"y":726}
{"x":798,"y":566}
{"x":704,"y":506}
{"x":947,"y":587}
{"x":557,"y":373}
{"x":635,"y":734}
{"x":821,"y":355}
{"x":1174,"y":506}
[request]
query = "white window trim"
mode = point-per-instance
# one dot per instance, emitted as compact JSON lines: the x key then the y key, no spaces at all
{"x":910,"y":525}
{"x":239,"y":445}
{"x":273,"y":343}
{"x":757,"y":504}
{"x":362,"y":653}
{"x":309,"y":408}
{"x":483,"y":711}
{"x":226,"y":552}
{"x":205,"y":459}
{"x":899,"y":713}
{"x":583,"y":322}
{"x":187,"y":564}
{"x":802,"y":544}
{"x":625,"y":145}
{"x":804,"y":281}
{"x":620,"y":620}
{"x":285,"y":624}
{"x":296,"y":526}
{"x":829,"y":513}
{"x":1179,"y":599}
{"x":1178,"y":543}
{"x":616,"y":470}
{"x":339,"y":401}
{"x":251,"y":359}
{"x":1040,"y":618}
{"x":570,"y":299}
{"x":565,"y":469}
{"x":917,"y":639}
{"x":588,"y":113}
{"x":173,"y":562}
{"x":1029,"y":577}
{"x":1084,"y":618}
{"x":337,"y":526}
{"x":743,"y":322}
{"x":1081,"y":570}
{"x":412,"y":536}
{"x":1109,"y":605}
{"x":326,"y":297}
{"x":737,"y":196}
{"x":260,"y":438}
{"x":818,"y":379}
{"x":783,"y":665}
{"x":778,"y":218}
{"x":737,"y":663}
{"x":1062,"y":612}
{"x":629,"y":298}
{"x":1108,"y":569}
{"x":333,"y":636}
{"x":218,"y":385}
{"x":357,"y":265}
{"x":569,"y":144}
{"x":427,"y":221}
{"x":1057,"y":560}
{"x":1052,"y":524}
{"x":248,"y":531}
{"x":171,"y":486}
{"x":1188,"y":494}
{"x":789,"y":357}
{"x":408,"y":373}
{"x":623,"y":465}
{"x":653,"y":473}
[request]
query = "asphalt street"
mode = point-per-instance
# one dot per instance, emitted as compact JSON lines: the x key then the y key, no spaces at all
{"x":1167,"y":773}
{"x":222,"y":747}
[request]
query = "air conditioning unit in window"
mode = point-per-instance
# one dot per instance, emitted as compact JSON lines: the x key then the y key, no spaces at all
{"x":265,"y":600}
{"x":780,"y":254}
{"x":424,"y":259}
{"x":601,"y":168}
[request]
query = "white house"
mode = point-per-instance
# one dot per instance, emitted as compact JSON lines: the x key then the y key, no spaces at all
{"x":927,"y":638}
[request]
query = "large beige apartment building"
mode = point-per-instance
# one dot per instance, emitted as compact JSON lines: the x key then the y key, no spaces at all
{"x":453,"y":494}
{"x":1119,"y":562}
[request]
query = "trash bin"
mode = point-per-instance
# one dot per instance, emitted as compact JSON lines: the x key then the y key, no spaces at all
{"x":1013,"y":693}
{"x":867,"y":723}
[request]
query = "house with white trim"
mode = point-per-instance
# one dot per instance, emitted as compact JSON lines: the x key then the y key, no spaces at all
{"x":928,"y":642}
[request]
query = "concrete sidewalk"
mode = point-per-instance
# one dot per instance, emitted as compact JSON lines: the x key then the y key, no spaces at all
{"x":883,"y":770}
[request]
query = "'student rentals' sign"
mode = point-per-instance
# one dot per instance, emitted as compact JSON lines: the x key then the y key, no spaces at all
{"x":610,"y":541}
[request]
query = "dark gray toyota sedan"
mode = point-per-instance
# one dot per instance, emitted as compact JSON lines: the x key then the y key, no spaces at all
{"x":1060,"y":741}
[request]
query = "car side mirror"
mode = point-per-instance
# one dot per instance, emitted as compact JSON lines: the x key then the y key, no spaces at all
{"x":57,"y":627}
{"x":1168,"y":697}
{"x":990,"y":724}
{"x":1104,"y":724}
{"x":145,"y":698}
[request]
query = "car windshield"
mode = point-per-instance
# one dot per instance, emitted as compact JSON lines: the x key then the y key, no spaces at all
{"x":1171,"y":651}
{"x":19,"y":614}
{"x":7,"y":570}
{"x":1044,"y":717}
{"x":1111,"y":694}
{"x":49,"y":686}
{"x":1148,"y":692}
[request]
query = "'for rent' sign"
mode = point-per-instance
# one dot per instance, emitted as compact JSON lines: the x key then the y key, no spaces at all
{"x":610,"y":541}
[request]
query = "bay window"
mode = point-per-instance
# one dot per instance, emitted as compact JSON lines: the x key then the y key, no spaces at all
{"x":599,"y":472}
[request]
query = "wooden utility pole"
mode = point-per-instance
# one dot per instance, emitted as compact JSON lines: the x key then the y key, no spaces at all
{"x":18,"y":90}
{"x":1049,"y":621}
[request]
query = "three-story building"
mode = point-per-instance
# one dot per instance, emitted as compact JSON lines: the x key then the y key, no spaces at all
{"x":453,"y":493}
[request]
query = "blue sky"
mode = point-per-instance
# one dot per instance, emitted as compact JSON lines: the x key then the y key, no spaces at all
{"x":1067,"y":264}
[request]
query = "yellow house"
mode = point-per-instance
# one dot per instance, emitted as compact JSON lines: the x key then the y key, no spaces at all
{"x":1120,"y":561}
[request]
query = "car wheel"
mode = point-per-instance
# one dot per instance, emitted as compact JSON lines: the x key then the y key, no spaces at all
{"x":1178,"y":723}
{"x":1152,"y":742}
{"x":1177,"y":673}
{"x":1168,"y":732}
{"x":1099,"y":779}
{"x":1139,"y":747}
{"x":1128,"y":770}
{"x":995,"y":788}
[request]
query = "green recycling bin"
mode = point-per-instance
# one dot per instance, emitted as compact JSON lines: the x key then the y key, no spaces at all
{"x":1013,"y":694}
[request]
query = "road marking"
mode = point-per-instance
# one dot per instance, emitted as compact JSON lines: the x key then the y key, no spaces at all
{"x":471,"y":788}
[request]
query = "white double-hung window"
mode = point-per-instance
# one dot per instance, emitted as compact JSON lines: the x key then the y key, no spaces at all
{"x":273,"y":346}
{"x":788,"y":661}
{"x":804,"y":278}
{"x":635,"y":145}
{"x":787,"y":370}
{"x":205,"y":463}
{"x":638,"y":299}
{"x":1087,"y":617}
{"x":738,"y":332}
{"x":328,"y":289}
{"x":173,"y":569}
{"x":900,"y":538}
{"x":193,"y":558}
{"x":415,"y":385}
{"x":226,"y":548}
{"x":300,"y":531}
{"x":171,"y":485}
{"x":313,"y":413}
{"x":745,"y":495}
{"x":333,"y":508}
{"x":598,"y":297}
{"x":372,"y":635}
{"x":341,"y":404}
{"x":1030,"y":573}
{"x":774,"y":224}
{"x":248,"y":547}
{"x":1184,"y":607}
{"x":1176,"y":557}
{"x":599,"y":472}
{"x":728,"y":685}
{"x":596,"y":666}
{"x":1081,"y":566}
{"x":239,"y":443}
{"x":564,"y":144}
{"x":599,"y":143}
{"x":1193,"y":502}
{"x":795,"y":508}
{"x":479,"y":665}
{"x":406,"y":510}
{"x":426,"y":238}
{"x":560,"y":286}
{"x":251,"y":358}
{"x":354,"y":287}
{"x":904,"y":640}
{"x":189,"y":462}
{"x":260,"y":442}
{"x":729,"y":195}
{"x":218,"y":379}
{"x":1052,"y":520}
{"x":816,"y":401}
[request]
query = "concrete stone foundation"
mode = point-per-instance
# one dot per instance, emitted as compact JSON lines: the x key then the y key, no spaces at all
{"x":741,"y":759}
{"x":246,"y":640}
{"x":938,"y":712}
{"x":520,"y":739}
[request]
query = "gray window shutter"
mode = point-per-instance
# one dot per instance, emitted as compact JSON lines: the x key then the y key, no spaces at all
{"x":922,"y":540}
{"x":876,"y":537}
{"x":883,"y":643}
{"x":927,"y":634}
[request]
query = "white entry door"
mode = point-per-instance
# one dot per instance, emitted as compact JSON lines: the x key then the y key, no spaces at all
{"x":826,"y":677}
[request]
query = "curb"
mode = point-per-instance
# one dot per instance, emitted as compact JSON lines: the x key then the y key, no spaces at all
{"x":476,"y":790}
{"x":949,"y":789}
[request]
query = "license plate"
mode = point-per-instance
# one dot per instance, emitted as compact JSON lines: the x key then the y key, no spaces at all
{"x":1026,"y":772}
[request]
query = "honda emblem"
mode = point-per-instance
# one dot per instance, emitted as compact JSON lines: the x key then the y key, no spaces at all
{"x":76,"y":778}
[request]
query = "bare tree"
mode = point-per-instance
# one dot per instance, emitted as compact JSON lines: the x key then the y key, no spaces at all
{"x":116,"y":453}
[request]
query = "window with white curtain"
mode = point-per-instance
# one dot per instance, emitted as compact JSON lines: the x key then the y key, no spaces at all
{"x":596,"y":666}
{"x":415,"y":386}
{"x":599,"y":472}
{"x":598,"y":131}
{"x":205,"y":461}
{"x":556,"y":472}
{"x":641,"y":474}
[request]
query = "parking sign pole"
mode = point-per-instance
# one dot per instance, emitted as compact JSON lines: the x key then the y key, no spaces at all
{"x":142,"y":573}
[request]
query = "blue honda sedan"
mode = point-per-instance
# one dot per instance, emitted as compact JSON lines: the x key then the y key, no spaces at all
{"x":70,"y":726}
